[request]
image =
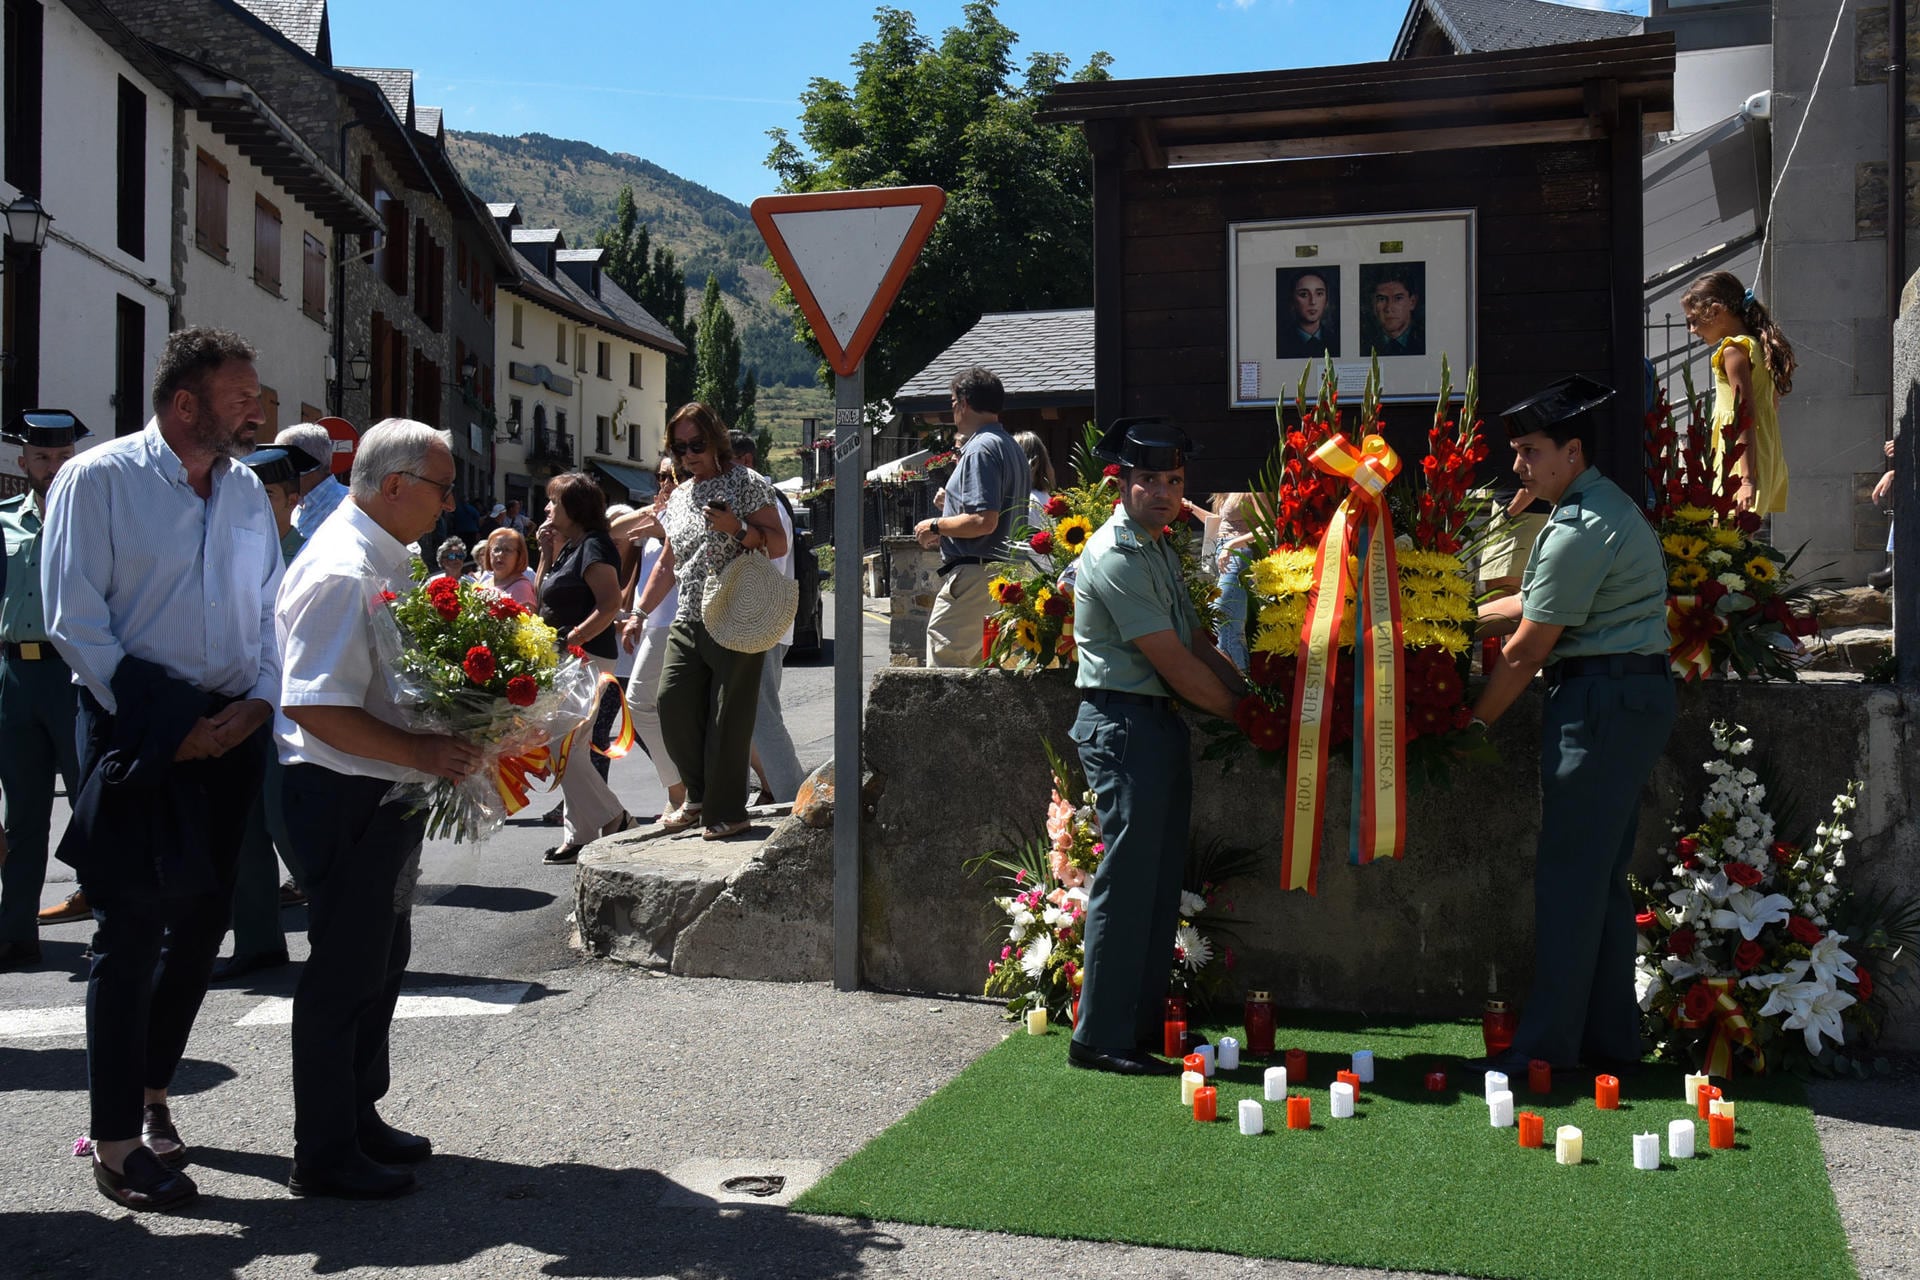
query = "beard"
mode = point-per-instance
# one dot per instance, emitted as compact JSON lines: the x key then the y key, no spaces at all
{"x":226,"y":440}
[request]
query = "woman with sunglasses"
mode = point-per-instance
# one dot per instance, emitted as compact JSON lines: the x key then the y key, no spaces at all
{"x":708,"y":693}
{"x":645,"y":634}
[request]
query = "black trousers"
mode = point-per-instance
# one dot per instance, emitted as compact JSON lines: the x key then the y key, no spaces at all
{"x":153,"y":951}
{"x":354,"y":850}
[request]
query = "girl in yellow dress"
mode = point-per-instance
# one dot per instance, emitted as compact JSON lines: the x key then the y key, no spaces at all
{"x":1752,"y":367}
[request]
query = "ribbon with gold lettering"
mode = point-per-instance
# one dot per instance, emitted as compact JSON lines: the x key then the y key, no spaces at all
{"x":1379,"y":749}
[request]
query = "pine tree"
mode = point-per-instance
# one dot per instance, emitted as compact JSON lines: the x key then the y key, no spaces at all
{"x":652,"y":275}
{"x":717,"y":378}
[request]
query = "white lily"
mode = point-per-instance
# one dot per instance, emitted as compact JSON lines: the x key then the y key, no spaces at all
{"x":1647,"y":984}
{"x":1830,"y":964}
{"x":1794,"y":972}
{"x":1749,"y":912}
{"x":1680,"y":970}
{"x":1812,"y":1008}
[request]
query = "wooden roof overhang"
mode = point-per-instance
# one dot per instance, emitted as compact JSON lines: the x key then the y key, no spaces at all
{"x":1558,"y":93}
{"x":239,"y":115}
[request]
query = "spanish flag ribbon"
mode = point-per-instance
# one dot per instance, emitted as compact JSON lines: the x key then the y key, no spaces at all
{"x":513,"y":775}
{"x":623,"y":740}
{"x":1692,"y":623}
{"x":1731,"y":1030}
{"x":1379,"y":752}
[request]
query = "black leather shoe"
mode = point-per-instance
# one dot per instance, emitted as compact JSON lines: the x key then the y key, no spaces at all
{"x":159,"y":1136}
{"x":384,"y":1144}
{"x":18,"y":955}
{"x":1124,"y":1064}
{"x":145,"y":1184}
{"x":359,"y":1180}
{"x":234,"y":968}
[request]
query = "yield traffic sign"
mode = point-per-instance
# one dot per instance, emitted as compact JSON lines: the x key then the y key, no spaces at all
{"x":845,"y":255}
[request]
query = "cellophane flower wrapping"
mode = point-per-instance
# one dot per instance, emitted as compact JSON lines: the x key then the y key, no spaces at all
{"x":463,"y":660}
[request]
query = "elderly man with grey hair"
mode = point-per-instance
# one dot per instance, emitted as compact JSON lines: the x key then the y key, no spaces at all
{"x":345,"y":743}
{"x":320,"y":492}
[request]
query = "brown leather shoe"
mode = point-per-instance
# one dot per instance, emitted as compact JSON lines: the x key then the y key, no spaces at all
{"x":74,"y":908}
{"x":160,"y":1137}
{"x":145,"y":1184}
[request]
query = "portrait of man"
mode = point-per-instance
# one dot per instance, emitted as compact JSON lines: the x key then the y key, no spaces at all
{"x":1309,"y":312}
{"x":1393,"y":319}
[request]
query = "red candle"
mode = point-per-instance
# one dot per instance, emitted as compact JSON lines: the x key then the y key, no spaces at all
{"x":1074,"y":1014}
{"x":1175,"y":1038}
{"x":1344,"y":1077}
{"x":1540,"y":1076}
{"x":1606,"y":1093}
{"x":1205,"y":1100}
{"x":1497,"y":1025}
{"x":1195,"y":1063}
{"x":1259,"y":1023}
{"x":1299,"y":1110}
{"x":1720,"y":1132}
{"x":1296,"y":1067}
{"x":1176,"y":1009}
{"x":1436,"y":1082}
{"x":1533,"y":1130}
{"x":1707,"y":1094}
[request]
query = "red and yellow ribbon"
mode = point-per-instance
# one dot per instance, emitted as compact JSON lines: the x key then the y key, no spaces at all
{"x":623,"y":740}
{"x":513,"y":775}
{"x":1379,"y":749}
{"x":1692,"y":623}
{"x":1731,"y":1030}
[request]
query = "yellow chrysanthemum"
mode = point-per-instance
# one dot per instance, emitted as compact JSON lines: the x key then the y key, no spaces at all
{"x":1072,"y":533}
{"x":1027,"y":635}
{"x":1040,"y":597}
{"x":1684,"y":546}
{"x":1691,"y":514}
{"x":1725,"y":537}
{"x":1761,"y":569}
{"x":1283,"y":573}
{"x":1687,"y":575}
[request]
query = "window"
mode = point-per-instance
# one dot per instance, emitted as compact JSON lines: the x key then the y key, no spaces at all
{"x":210,"y":206}
{"x":560,"y":426}
{"x":633,"y":440}
{"x":426,"y":390}
{"x":391,"y":260}
{"x":516,"y":326}
{"x":20,"y":112}
{"x":605,"y":366}
{"x":486,"y":294}
{"x":313,"y":278}
{"x":579,"y":351}
{"x":602,"y":435}
{"x":429,"y":277}
{"x":560,"y":344}
{"x":131,"y":196}
{"x":513,"y":409}
{"x":129,"y":365}
{"x":460,"y":263}
{"x":633,"y":368}
{"x":266,"y":245}
{"x":270,"y":409}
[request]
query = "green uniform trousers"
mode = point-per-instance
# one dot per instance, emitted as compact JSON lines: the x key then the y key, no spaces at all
{"x":1137,"y":763}
{"x":1600,"y":737}
{"x":708,"y":697}
{"x":37,"y":712}
{"x":256,"y":885}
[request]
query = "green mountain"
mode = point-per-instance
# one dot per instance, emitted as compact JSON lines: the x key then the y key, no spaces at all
{"x":575,"y":185}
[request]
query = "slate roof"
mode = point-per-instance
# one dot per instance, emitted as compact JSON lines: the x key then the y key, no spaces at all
{"x":501,"y":209}
{"x":302,"y":21}
{"x":427,"y":120}
{"x":580,"y":255}
{"x":536,"y":235}
{"x":1490,"y":26}
{"x":396,"y":83}
{"x":1042,"y":357}
{"x":614,"y":310}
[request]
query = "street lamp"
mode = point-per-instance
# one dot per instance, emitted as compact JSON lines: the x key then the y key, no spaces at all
{"x":27,"y":223}
{"x":358,"y":368}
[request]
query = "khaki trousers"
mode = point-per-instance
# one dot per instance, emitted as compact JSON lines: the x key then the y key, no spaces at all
{"x":953,"y":628}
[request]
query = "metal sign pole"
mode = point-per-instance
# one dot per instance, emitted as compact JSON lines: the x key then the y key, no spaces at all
{"x":849,"y":492}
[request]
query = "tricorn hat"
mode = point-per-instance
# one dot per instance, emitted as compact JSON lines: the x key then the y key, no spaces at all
{"x":275,"y":465}
{"x":1560,"y":405}
{"x":44,"y":429}
{"x":1153,"y":443}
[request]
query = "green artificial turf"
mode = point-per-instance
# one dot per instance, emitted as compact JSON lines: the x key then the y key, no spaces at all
{"x":1022,"y":1143}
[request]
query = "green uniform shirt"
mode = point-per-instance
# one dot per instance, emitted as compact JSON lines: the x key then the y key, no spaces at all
{"x":1128,"y":586}
{"x":1597,"y":570}
{"x":22,"y":614}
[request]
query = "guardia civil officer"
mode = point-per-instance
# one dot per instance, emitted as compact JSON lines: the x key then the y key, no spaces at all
{"x":1592,"y":610}
{"x":1141,"y":647}
{"x":37,"y":696}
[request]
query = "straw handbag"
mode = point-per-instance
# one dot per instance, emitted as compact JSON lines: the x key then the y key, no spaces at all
{"x":749,"y":604}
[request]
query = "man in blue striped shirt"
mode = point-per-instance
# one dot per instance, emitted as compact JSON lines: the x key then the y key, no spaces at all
{"x":160,"y":566}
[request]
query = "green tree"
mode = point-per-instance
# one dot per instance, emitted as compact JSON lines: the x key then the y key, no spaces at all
{"x":1017,"y":232}
{"x":652,"y":275}
{"x":718,"y":380}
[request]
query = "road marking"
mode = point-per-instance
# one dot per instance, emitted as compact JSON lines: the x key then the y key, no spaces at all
{"x":478,"y":1000}
{"x":31,"y":1023}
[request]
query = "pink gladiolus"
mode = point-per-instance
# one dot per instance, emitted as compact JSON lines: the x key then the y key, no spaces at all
{"x":1020,"y":877}
{"x":1005,"y":952}
{"x":1099,"y":848}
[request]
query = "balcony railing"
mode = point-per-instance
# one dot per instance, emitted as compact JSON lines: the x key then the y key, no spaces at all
{"x":550,"y":445}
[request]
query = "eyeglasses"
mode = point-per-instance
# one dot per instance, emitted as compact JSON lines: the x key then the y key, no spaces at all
{"x":681,"y":448}
{"x":446,"y":490}
{"x":667,"y":477}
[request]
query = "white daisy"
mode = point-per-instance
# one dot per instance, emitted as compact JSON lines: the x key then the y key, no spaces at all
{"x":1191,"y":948}
{"x":1036,"y":957}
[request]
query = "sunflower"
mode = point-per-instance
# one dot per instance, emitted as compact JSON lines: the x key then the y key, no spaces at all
{"x":1687,"y":575}
{"x":1027,"y":635}
{"x":1072,"y":533}
{"x":1761,"y":569}
{"x":1725,"y":537}
{"x":1684,"y":546}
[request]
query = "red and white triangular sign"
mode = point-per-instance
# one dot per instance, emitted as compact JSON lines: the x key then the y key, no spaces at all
{"x":845,"y":255}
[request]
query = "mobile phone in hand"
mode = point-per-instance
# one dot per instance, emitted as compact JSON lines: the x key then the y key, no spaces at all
{"x":718,"y":504}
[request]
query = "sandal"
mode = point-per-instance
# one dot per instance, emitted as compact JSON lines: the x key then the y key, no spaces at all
{"x":725,"y":830}
{"x":562,"y":855}
{"x":625,"y":822}
{"x":159,"y":1136}
{"x":680,"y":819}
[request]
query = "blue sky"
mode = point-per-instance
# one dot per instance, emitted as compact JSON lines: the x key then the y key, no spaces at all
{"x":694,"y":86}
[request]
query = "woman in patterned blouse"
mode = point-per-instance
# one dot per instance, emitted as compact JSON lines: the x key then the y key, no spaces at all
{"x":708,"y":692}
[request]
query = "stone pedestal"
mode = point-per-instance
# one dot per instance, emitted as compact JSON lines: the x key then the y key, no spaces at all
{"x":914,"y":582}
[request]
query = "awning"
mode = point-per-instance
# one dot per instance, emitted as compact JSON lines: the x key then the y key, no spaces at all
{"x":639,"y":482}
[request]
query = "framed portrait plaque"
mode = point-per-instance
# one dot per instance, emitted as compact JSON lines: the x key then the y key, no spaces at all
{"x":1302,"y":291}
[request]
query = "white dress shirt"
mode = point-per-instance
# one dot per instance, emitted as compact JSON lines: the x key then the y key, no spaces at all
{"x":319,"y":503}
{"x":135,"y":563}
{"x":325,"y":623}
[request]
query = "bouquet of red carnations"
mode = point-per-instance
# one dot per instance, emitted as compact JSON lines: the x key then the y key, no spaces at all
{"x":468,"y":662}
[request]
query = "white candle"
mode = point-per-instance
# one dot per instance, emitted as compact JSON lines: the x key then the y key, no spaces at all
{"x":1036,"y":1022}
{"x":1500,"y":1110}
{"x":1567,"y":1144}
{"x":1496,"y":1083}
{"x":1342,"y":1097}
{"x":1189,"y":1081}
{"x":1720,"y":1107}
{"x":1680,"y":1139}
{"x":1693,"y":1089}
{"x":1229,"y":1054}
{"x":1252,"y":1119}
{"x":1363,"y":1065}
{"x":1206,"y":1056}
{"x":1276,"y":1083}
{"x":1646,"y":1151}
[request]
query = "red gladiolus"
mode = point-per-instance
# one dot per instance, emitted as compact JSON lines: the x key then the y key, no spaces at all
{"x":522,"y":690}
{"x":1681,"y":942}
{"x":479,"y":665}
{"x":1057,"y":506}
{"x":1804,"y":931}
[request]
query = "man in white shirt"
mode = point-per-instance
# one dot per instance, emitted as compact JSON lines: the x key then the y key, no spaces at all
{"x":343,"y":740}
{"x":160,"y":566}
{"x":774,"y":758}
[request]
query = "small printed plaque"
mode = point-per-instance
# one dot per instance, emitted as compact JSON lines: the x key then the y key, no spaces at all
{"x":1306,"y":251}
{"x":1249,"y":379}
{"x":1393,"y":246}
{"x":1352,"y":373}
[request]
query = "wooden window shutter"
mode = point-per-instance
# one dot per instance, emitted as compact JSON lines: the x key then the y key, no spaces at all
{"x":210,"y":206}
{"x":266,"y":245}
{"x":313,"y":277}
{"x":131,"y":203}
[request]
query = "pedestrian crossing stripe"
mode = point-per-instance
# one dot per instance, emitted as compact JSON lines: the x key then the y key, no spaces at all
{"x":474,"y":1000}
{"x":28,"y":1024}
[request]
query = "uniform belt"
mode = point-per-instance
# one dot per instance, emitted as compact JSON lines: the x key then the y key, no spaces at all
{"x":948,"y":566}
{"x":1607,"y":664}
{"x":1115,"y":697}
{"x":33,"y":651}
